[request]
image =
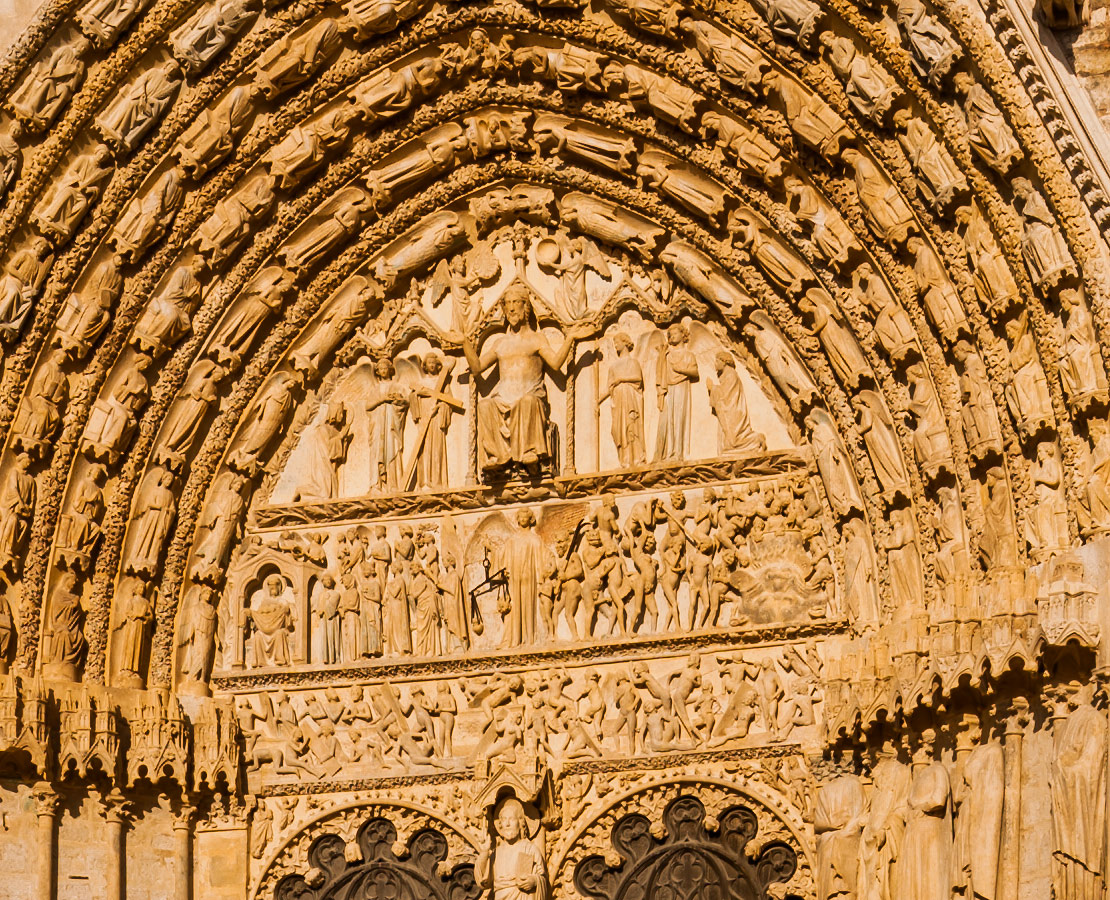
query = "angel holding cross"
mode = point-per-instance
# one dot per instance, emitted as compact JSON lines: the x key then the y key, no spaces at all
{"x":432,"y":405}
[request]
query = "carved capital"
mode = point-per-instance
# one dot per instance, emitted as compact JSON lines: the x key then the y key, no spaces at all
{"x":45,"y":799}
{"x":184,"y":816}
{"x":115,"y":807}
{"x":1017,"y":716}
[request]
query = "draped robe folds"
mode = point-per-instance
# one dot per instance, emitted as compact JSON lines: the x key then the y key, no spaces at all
{"x":979,"y":822}
{"x":510,"y":863}
{"x":1098,"y":483}
{"x":350,"y":630}
{"x":1078,"y":823}
{"x":327,"y":450}
{"x":152,"y":524}
{"x":370,"y":600}
{"x":675,"y":416}
{"x":987,"y":131}
{"x":1045,"y":249}
{"x":136,"y":613}
{"x":426,"y":600}
{"x":64,"y":642}
{"x":272,"y":623}
{"x":454,"y":609}
{"x":626,"y":390}
{"x":883,"y":832}
{"x":512,"y":422}
{"x":522,"y":558}
{"x":395,"y":611}
{"x":387,"y":435}
{"x":432,"y":462}
{"x":329,"y":610}
{"x":838,"y":821}
{"x":924,"y":866}
{"x":17,"y":500}
{"x":735,"y":432}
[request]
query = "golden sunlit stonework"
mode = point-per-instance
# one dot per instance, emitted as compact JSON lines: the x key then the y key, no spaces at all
{"x":536,"y":450}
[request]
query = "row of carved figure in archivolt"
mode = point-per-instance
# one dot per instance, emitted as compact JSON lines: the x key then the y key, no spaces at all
{"x":528,"y":577}
{"x":945,"y":314}
{"x":478,"y":135}
{"x":627,"y":709}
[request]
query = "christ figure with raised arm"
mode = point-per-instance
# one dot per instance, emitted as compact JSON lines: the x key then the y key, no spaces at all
{"x":513,"y":421}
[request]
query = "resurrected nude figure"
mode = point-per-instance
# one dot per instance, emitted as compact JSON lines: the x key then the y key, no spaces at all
{"x":513,"y":420}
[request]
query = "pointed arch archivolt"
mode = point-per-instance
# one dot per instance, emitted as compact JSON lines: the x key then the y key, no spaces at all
{"x":733,"y":101}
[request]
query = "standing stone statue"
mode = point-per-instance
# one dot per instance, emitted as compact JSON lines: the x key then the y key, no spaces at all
{"x":155,"y":508}
{"x":1078,"y":786}
{"x":987,"y":130}
{"x":387,"y":409}
{"x":514,"y":868}
{"x":838,"y":823}
{"x":676,"y":371}
{"x":922,"y":869}
{"x":513,"y":421}
{"x":328,"y":603}
{"x":907,"y":584}
{"x":977,"y":797}
{"x":432,"y":405}
{"x":861,"y":599}
{"x":883,"y":830}
{"x":522,"y":557}
{"x":135,"y":616}
{"x":199,"y":640}
{"x":396,"y":621}
{"x":327,"y":442}
{"x":833,"y":464}
{"x":1046,"y":252}
{"x":64,"y":643}
{"x":49,"y":85}
{"x":626,"y":391}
